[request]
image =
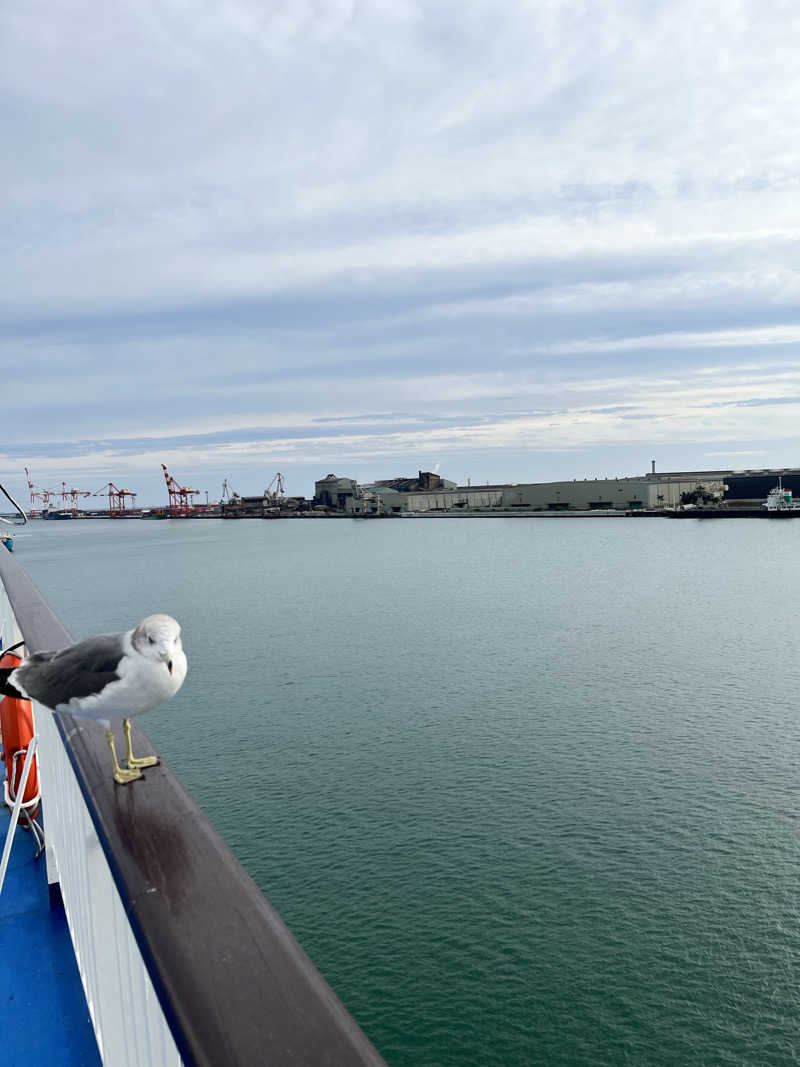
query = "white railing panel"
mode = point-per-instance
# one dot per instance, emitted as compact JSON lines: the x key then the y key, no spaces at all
{"x":128,"y":1022}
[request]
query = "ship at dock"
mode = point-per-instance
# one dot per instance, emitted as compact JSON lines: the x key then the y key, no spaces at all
{"x":780,"y":504}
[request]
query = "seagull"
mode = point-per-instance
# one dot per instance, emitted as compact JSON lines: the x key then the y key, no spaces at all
{"x":107,"y":677}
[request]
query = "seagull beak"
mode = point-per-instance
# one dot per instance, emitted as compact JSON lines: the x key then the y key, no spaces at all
{"x":169,"y":666}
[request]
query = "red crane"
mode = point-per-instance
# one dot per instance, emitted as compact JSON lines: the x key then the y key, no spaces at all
{"x":69,"y":497}
{"x":179,"y":503}
{"x":45,"y":495}
{"x":116,"y":499}
{"x":36,"y":493}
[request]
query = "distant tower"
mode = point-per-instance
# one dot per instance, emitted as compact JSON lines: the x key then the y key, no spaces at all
{"x":652,"y":466}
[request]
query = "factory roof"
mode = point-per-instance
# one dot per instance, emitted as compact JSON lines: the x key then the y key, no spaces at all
{"x":722,"y":473}
{"x":335,"y":479}
{"x":383,"y":486}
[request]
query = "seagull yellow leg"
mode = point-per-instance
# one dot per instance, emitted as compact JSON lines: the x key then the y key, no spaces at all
{"x":143,"y":761}
{"x":120,"y":775}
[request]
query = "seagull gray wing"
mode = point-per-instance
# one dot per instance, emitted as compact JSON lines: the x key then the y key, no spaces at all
{"x":55,"y":678}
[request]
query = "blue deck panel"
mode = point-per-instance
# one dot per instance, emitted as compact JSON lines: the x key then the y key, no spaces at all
{"x":41,"y":996}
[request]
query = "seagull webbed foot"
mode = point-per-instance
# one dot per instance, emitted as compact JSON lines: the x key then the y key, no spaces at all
{"x":134,"y":761}
{"x":123,"y":777}
{"x":120,"y":775}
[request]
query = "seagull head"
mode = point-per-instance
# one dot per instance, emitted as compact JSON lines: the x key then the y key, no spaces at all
{"x":158,"y":638}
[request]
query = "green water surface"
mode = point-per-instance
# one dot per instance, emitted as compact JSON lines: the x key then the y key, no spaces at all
{"x":525,"y":790}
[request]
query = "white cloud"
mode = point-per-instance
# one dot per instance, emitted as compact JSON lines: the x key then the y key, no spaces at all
{"x":412,"y":206}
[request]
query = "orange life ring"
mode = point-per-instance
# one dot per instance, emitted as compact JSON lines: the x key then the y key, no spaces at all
{"x":16,"y":724}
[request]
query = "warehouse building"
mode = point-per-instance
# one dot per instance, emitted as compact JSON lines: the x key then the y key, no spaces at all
{"x":591,"y":494}
{"x":385,"y":498}
{"x":645,"y":493}
{"x":337,"y":493}
{"x":606,"y":494}
{"x":429,"y":493}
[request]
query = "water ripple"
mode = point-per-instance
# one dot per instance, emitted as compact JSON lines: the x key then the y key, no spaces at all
{"x":526,"y":792}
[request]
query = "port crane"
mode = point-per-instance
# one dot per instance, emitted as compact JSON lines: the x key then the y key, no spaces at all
{"x":47,"y":495}
{"x":229,"y":494}
{"x":36,"y":494}
{"x":180,"y":504}
{"x":273,"y":497}
{"x":116,"y":499}
{"x":69,"y":497}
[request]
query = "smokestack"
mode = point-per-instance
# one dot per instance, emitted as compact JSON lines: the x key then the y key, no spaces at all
{"x":652,"y":466}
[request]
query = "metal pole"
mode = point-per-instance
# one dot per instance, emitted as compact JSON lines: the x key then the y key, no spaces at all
{"x":17,"y":805}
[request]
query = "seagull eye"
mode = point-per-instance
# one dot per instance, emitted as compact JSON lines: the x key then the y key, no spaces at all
{"x":151,"y":640}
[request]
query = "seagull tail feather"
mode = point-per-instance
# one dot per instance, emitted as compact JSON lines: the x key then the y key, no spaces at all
{"x":6,"y":688}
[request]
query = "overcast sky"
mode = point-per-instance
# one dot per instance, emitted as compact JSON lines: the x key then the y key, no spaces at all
{"x":508,"y":241}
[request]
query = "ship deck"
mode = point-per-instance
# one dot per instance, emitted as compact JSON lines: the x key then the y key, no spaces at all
{"x":42,"y":1003}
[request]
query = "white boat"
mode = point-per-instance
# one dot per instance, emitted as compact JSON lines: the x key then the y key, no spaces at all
{"x":780,"y":499}
{"x":6,"y":535}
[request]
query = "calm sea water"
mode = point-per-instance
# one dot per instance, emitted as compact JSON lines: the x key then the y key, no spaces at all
{"x":527,"y":791}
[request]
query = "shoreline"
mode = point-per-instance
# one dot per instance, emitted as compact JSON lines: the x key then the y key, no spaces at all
{"x":518,"y":513}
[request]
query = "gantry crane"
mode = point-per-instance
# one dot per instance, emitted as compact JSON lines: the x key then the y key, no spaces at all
{"x":69,"y":497}
{"x":36,"y":494}
{"x":179,"y":503}
{"x":116,"y":499}
{"x":46,"y":496}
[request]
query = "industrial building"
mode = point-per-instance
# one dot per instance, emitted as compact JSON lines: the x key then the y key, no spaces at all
{"x":243,"y":507}
{"x":646,"y":493}
{"x":427,"y":492}
{"x":741,"y":488}
{"x":653,"y":491}
{"x":378,"y":499}
{"x":337,"y":493}
{"x":425,"y":481}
